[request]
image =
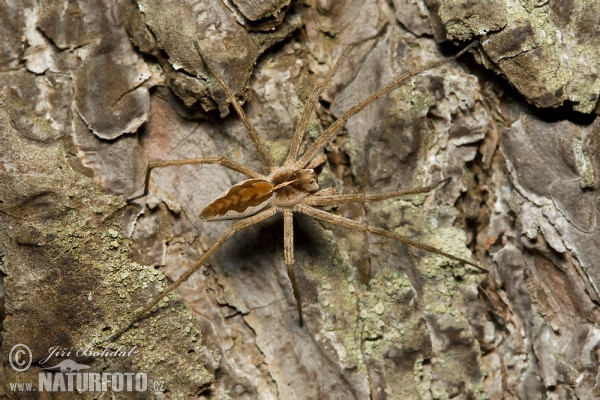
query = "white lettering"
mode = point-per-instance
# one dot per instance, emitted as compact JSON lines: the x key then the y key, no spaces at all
{"x":129,"y":376}
{"x":95,"y":384}
{"x":70,"y":376}
{"x":57,"y":351}
{"x":59,"y":383}
{"x":81,"y":382}
{"x":141,"y":382}
{"x":105,"y":380}
{"x":88,"y":382}
{"x":45,"y":381}
{"x":118,"y":382}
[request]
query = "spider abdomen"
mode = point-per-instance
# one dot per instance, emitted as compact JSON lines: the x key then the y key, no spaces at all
{"x":241,"y":200}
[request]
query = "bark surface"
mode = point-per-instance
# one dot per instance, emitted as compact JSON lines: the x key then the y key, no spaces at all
{"x":105,"y":86}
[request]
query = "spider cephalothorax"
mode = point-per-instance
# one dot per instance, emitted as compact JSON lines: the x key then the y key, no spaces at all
{"x":291,"y":187}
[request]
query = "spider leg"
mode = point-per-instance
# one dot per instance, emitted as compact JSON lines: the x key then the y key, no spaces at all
{"x":324,"y":192}
{"x":348,"y":223}
{"x":242,"y":169}
{"x":325,"y":200}
{"x":337,"y":125}
{"x":262,"y":149}
{"x":310,"y":104}
{"x":328,"y":199}
{"x":288,"y":250}
{"x":238,"y":226}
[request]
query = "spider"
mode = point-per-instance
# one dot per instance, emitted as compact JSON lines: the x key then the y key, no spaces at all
{"x":290,"y":187}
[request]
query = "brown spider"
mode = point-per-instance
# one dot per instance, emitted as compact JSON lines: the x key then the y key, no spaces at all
{"x":291,"y":187}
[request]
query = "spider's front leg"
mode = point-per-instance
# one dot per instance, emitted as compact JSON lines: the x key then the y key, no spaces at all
{"x":310,"y":104}
{"x":334,"y":128}
{"x":329,"y":196}
{"x":288,"y":251}
{"x":260,"y":146}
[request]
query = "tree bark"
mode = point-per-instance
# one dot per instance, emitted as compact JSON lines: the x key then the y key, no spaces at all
{"x":106,"y":86}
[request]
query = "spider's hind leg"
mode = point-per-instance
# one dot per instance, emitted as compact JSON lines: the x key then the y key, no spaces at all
{"x":225,"y":162}
{"x":238,"y":226}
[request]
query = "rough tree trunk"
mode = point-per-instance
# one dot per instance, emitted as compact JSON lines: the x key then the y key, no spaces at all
{"x":106,"y":86}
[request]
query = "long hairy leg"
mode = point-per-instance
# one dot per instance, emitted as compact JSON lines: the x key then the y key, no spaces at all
{"x":348,"y":223}
{"x":262,"y":149}
{"x":325,"y":200}
{"x":310,"y":104}
{"x":337,"y":125}
{"x":238,"y":226}
{"x":242,"y":169}
{"x":288,"y":251}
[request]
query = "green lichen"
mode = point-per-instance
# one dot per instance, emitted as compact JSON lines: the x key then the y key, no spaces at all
{"x":313,"y":129}
{"x":279,"y":149}
{"x":583,"y":164}
{"x":337,"y":303}
{"x":124,"y":287}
